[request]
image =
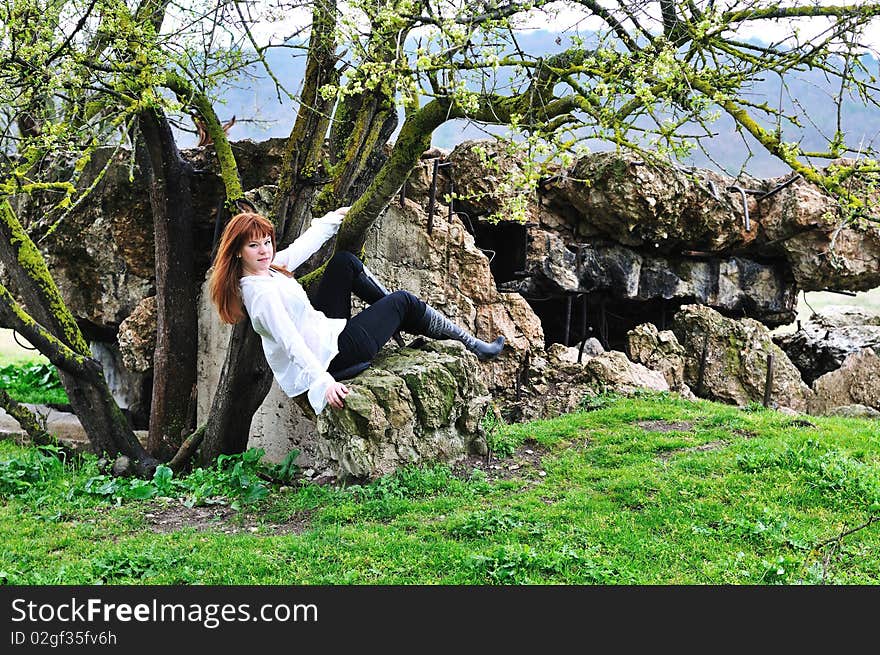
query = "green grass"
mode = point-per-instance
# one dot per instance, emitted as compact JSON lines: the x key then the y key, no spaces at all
{"x":27,"y":375}
{"x":646,"y":490}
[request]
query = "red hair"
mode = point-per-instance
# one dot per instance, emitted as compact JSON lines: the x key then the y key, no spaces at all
{"x":226,"y":272}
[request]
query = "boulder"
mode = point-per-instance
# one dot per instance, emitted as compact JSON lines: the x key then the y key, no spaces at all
{"x":837,"y":316}
{"x":819,"y":348}
{"x":612,"y":371}
{"x":853,"y":411}
{"x":726,"y":360}
{"x":137,"y":336}
{"x":410,"y":406}
{"x":659,"y":351}
{"x":856,"y":382}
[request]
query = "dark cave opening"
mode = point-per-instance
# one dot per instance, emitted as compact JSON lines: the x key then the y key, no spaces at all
{"x":569,"y":317}
{"x":572,"y":318}
{"x":505,"y":244}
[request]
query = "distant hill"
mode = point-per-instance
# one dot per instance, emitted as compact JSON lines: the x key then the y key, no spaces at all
{"x":261,"y":115}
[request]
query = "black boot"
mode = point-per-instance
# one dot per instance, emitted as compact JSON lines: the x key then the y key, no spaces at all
{"x":369,"y":289}
{"x":437,"y":326}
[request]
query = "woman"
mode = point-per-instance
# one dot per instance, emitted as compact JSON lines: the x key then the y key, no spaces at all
{"x":311,"y":346}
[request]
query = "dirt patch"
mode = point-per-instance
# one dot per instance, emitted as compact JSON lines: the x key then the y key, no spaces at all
{"x":665,"y":426}
{"x":712,"y":445}
{"x":524,"y":463}
{"x":173,"y":516}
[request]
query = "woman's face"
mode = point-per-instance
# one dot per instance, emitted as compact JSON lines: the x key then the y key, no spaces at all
{"x":256,"y":255}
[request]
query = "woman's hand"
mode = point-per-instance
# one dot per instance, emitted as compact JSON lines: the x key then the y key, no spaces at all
{"x":342,"y":211}
{"x":336,"y":394}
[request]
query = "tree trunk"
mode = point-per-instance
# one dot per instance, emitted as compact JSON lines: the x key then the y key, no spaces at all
{"x":174,"y":359}
{"x":244,"y":382}
{"x":304,"y":154}
{"x":413,"y":140}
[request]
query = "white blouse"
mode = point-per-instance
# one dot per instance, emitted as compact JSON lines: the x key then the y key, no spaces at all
{"x":298,"y":340}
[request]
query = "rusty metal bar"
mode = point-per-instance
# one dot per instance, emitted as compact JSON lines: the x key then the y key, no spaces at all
{"x":432,"y":199}
{"x":451,"y":200}
{"x":567,"y":319}
{"x":583,"y":326}
{"x":768,"y":383}
{"x":701,"y":371}
{"x":842,"y":293}
{"x":780,"y":187}
{"x":713,"y":189}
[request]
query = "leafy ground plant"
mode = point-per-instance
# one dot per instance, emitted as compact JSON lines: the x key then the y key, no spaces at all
{"x":652,"y":489}
{"x":33,"y":382}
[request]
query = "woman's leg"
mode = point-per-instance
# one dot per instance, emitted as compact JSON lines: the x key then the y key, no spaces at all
{"x":333,"y":296}
{"x":346,"y":274}
{"x":369,"y":330}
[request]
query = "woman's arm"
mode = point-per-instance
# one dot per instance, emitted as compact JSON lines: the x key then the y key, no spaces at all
{"x":309,"y":241}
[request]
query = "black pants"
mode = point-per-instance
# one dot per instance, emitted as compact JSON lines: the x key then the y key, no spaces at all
{"x":370,"y":329}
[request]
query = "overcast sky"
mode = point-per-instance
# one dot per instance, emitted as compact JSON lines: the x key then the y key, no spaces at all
{"x":566,"y":16}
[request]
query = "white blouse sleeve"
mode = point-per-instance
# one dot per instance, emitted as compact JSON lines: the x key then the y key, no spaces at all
{"x":309,"y":241}
{"x":269,"y":319}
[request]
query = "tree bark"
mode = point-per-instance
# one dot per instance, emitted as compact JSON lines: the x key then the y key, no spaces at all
{"x":303,"y":164}
{"x":174,"y":359}
{"x":244,"y":382}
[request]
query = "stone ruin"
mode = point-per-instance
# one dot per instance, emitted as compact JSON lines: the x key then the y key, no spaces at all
{"x":628,"y":274}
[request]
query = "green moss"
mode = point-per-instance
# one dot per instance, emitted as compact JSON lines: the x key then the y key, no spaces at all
{"x":32,"y":263}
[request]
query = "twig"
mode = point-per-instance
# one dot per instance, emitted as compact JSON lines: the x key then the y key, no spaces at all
{"x":186,"y":450}
{"x":835,"y":543}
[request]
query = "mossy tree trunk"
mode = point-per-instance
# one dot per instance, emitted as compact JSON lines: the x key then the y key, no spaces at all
{"x":175,"y":354}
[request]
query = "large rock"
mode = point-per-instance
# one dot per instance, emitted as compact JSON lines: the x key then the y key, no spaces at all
{"x":734,"y":285}
{"x":837,"y":316}
{"x":641,"y":203}
{"x":613,"y":371}
{"x":137,"y":337}
{"x":817,"y":349}
{"x":484,"y":175}
{"x":447,"y":270}
{"x":646,"y":203}
{"x":659,"y":351}
{"x":856,"y":382}
{"x":410,"y":406}
{"x":653,"y":206}
{"x":726,"y":360}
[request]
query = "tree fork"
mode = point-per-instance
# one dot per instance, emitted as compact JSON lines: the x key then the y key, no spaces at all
{"x":304,"y":149}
